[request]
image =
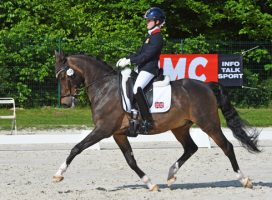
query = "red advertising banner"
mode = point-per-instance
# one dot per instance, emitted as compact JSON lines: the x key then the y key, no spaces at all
{"x":202,"y":67}
{"x":226,"y":69}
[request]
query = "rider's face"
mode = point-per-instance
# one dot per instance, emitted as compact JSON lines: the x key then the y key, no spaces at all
{"x":150,"y":24}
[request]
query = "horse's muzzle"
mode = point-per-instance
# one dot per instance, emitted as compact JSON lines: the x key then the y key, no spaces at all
{"x":68,"y":101}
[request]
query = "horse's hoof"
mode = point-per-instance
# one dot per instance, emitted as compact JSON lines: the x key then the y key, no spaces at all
{"x":57,"y":179}
{"x":171,"y":181}
{"x":247,"y":183}
{"x":154,"y":188}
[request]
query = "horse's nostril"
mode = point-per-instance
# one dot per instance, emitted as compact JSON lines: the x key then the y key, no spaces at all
{"x":66,"y":106}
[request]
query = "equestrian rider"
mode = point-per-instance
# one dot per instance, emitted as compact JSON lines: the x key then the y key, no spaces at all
{"x":146,"y":59}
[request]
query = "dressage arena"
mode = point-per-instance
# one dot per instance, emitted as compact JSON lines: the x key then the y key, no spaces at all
{"x":26,"y":172}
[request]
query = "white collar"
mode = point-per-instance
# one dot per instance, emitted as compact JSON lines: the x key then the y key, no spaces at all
{"x":153,"y":29}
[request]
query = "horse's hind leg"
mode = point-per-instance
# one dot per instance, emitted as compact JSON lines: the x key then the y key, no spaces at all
{"x":219,"y":138}
{"x":183,"y":136}
{"x":125,"y":147}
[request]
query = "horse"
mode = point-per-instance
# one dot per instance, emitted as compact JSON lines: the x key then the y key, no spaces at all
{"x":193,"y":102}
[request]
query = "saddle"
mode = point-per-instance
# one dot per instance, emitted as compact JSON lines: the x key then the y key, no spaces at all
{"x":157,"y":92}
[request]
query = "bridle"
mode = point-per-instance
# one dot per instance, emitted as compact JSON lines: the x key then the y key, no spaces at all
{"x":71,"y":75}
{"x":65,"y":68}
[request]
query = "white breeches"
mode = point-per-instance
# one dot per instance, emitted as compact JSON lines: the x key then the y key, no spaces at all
{"x":142,"y":80}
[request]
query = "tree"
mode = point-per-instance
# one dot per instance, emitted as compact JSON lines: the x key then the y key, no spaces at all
{"x":30,"y":31}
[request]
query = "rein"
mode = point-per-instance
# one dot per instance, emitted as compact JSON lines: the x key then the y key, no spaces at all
{"x":65,"y":68}
{"x":98,"y":80}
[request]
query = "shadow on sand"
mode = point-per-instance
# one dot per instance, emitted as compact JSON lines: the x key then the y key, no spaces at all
{"x":189,"y":186}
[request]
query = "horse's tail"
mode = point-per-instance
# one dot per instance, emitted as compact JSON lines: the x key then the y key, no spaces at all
{"x":246,"y":135}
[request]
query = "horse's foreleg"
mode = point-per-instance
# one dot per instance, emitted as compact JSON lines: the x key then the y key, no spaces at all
{"x":95,"y":136}
{"x":125,"y":147}
{"x":183,"y":136}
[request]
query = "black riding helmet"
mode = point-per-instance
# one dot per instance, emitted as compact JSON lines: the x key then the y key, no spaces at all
{"x":156,"y":14}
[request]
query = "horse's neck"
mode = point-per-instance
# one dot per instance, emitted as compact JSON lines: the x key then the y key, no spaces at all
{"x":90,"y":68}
{"x":103,"y":88}
{"x":98,"y":77}
{"x":95,"y":74}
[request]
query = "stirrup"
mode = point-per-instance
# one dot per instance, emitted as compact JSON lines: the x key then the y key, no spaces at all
{"x":133,"y":124}
{"x":145,"y":127}
{"x":133,"y":129}
{"x":137,"y":127}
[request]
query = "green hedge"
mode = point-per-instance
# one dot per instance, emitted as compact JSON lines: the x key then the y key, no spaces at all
{"x":30,"y":31}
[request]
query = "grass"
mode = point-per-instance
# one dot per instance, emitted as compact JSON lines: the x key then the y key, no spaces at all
{"x":50,"y":118}
{"x":261,"y":117}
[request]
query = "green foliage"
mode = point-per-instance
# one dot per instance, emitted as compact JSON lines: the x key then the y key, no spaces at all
{"x":30,"y":31}
{"x":258,"y":55}
{"x":268,"y":67}
{"x":255,"y":18}
{"x":196,"y":45}
{"x":258,"y":94}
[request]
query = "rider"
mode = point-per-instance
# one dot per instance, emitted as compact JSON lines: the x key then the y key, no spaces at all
{"x":146,"y":59}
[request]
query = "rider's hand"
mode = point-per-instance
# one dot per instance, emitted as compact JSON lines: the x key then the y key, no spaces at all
{"x":118,"y":62}
{"x":123,"y":62}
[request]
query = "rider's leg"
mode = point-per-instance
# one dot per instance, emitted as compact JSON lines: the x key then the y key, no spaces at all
{"x":143,"y":105}
{"x":135,"y":126}
{"x":142,"y":80}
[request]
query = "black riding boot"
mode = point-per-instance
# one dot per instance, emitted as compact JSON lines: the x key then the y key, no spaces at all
{"x":140,"y":126}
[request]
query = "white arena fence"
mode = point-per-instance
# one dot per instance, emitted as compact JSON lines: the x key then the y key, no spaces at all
{"x":199,"y":137}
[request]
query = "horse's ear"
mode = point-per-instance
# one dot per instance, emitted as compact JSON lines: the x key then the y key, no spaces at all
{"x":59,"y":55}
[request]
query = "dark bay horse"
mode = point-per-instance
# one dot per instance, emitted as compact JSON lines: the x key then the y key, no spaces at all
{"x":192,"y":102}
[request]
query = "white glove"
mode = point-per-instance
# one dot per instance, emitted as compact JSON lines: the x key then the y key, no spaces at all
{"x":117,"y":64}
{"x":123,"y":62}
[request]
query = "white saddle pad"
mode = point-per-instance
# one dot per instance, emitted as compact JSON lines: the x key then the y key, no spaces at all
{"x":161,"y":94}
